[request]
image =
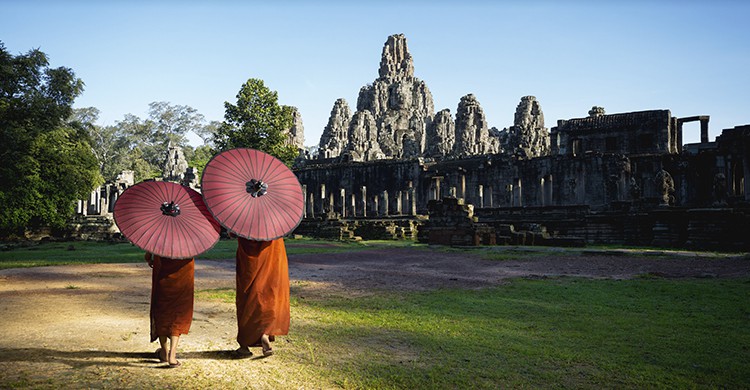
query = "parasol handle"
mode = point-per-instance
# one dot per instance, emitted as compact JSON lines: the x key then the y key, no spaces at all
{"x":170,"y":209}
{"x":256,"y":188}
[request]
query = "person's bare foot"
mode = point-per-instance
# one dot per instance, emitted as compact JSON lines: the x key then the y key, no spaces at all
{"x":172,"y":359}
{"x":266,"y":343}
{"x":161,"y":354}
{"x":243,"y":352}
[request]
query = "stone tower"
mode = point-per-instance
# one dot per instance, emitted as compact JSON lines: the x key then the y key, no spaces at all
{"x":441,"y":136}
{"x":401,"y":123}
{"x":363,"y":138}
{"x":472,"y":133}
{"x":396,"y":61}
{"x":175,"y":164}
{"x":296,"y":134}
{"x":400,"y":104}
{"x":528,"y":137}
{"x":335,"y":137}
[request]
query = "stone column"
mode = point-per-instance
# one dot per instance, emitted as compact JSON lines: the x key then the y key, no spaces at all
{"x":489,"y":197}
{"x":452,"y":192}
{"x":509,"y":195}
{"x":353,"y":205}
{"x":304,"y":201}
{"x":542,"y":191}
{"x":438,"y":195}
{"x":519,"y":194}
{"x":331,"y":202}
{"x":105,"y":201}
{"x":113,"y":196}
{"x":408,"y":194}
{"x":704,"y":130}
{"x":481,"y":196}
{"x":364,"y":201}
{"x":549,"y":201}
{"x":376,"y":209}
{"x":399,"y":199}
{"x":412,"y":202}
{"x":342,"y":193}
{"x":94,"y":208}
{"x":384,"y":206}
{"x":322,"y":208}
{"x":311,"y":205}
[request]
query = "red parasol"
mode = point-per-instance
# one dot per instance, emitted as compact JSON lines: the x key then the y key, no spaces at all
{"x":166,"y":219}
{"x":252,"y":194}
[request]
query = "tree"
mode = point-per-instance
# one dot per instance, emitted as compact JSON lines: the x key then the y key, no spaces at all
{"x":143,"y":155}
{"x":257,"y":121}
{"x":139,"y":144}
{"x":208,"y":132}
{"x":171,"y":123}
{"x":47,"y":163}
{"x":108,"y":144}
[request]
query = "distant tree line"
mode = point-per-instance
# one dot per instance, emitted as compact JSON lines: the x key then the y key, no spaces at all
{"x":138,"y":144}
{"x":53,"y":154}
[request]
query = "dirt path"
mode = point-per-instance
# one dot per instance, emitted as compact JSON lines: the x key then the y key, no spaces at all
{"x":87,"y":325}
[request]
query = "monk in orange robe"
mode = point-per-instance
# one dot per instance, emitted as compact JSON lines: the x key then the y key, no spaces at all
{"x":171,"y":303}
{"x":262,"y":294}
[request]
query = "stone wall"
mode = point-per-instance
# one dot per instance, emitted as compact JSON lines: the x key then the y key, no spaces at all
{"x":644,"y":132}
{"x":362,"y":189}
{"x":362,"y":228}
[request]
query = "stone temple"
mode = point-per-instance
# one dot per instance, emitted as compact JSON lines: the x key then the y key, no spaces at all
{"x":395,"y":168}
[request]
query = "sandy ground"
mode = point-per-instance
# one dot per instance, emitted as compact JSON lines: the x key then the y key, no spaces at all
{"x":86,"y":326}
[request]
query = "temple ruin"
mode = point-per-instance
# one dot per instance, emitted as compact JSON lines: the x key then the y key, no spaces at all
{"x":622,"y":178}
{"x":396,"y":169}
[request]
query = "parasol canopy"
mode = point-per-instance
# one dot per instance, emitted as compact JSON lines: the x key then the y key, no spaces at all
{"x":166,"y":219}
{"x":252,"y":194}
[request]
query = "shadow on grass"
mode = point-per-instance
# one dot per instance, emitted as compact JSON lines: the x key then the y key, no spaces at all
{"x":86,"y":358}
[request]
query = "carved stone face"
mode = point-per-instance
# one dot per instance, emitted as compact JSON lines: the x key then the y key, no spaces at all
{"x":400,"y":96}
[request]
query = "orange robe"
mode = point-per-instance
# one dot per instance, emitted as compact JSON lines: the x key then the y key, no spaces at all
{"x":262,"y":290}
{"x":171,"y":296}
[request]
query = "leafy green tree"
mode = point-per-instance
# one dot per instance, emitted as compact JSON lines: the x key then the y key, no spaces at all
{"x":142,"y":154}
{"x":199,"y":157}
{"x":171,"y":123}
{"x":257,"y":121}
{"x":140,"y":166}
{"x":107,"y":142}
{"x":47,"y":163}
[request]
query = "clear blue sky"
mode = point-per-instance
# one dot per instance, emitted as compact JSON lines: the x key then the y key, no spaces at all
{"x":687,"y":56}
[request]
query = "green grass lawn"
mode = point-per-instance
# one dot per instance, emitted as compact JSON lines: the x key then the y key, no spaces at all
{"x":550,"y":333}
{"x":63,"y":253}
{"x":89,"y":252}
